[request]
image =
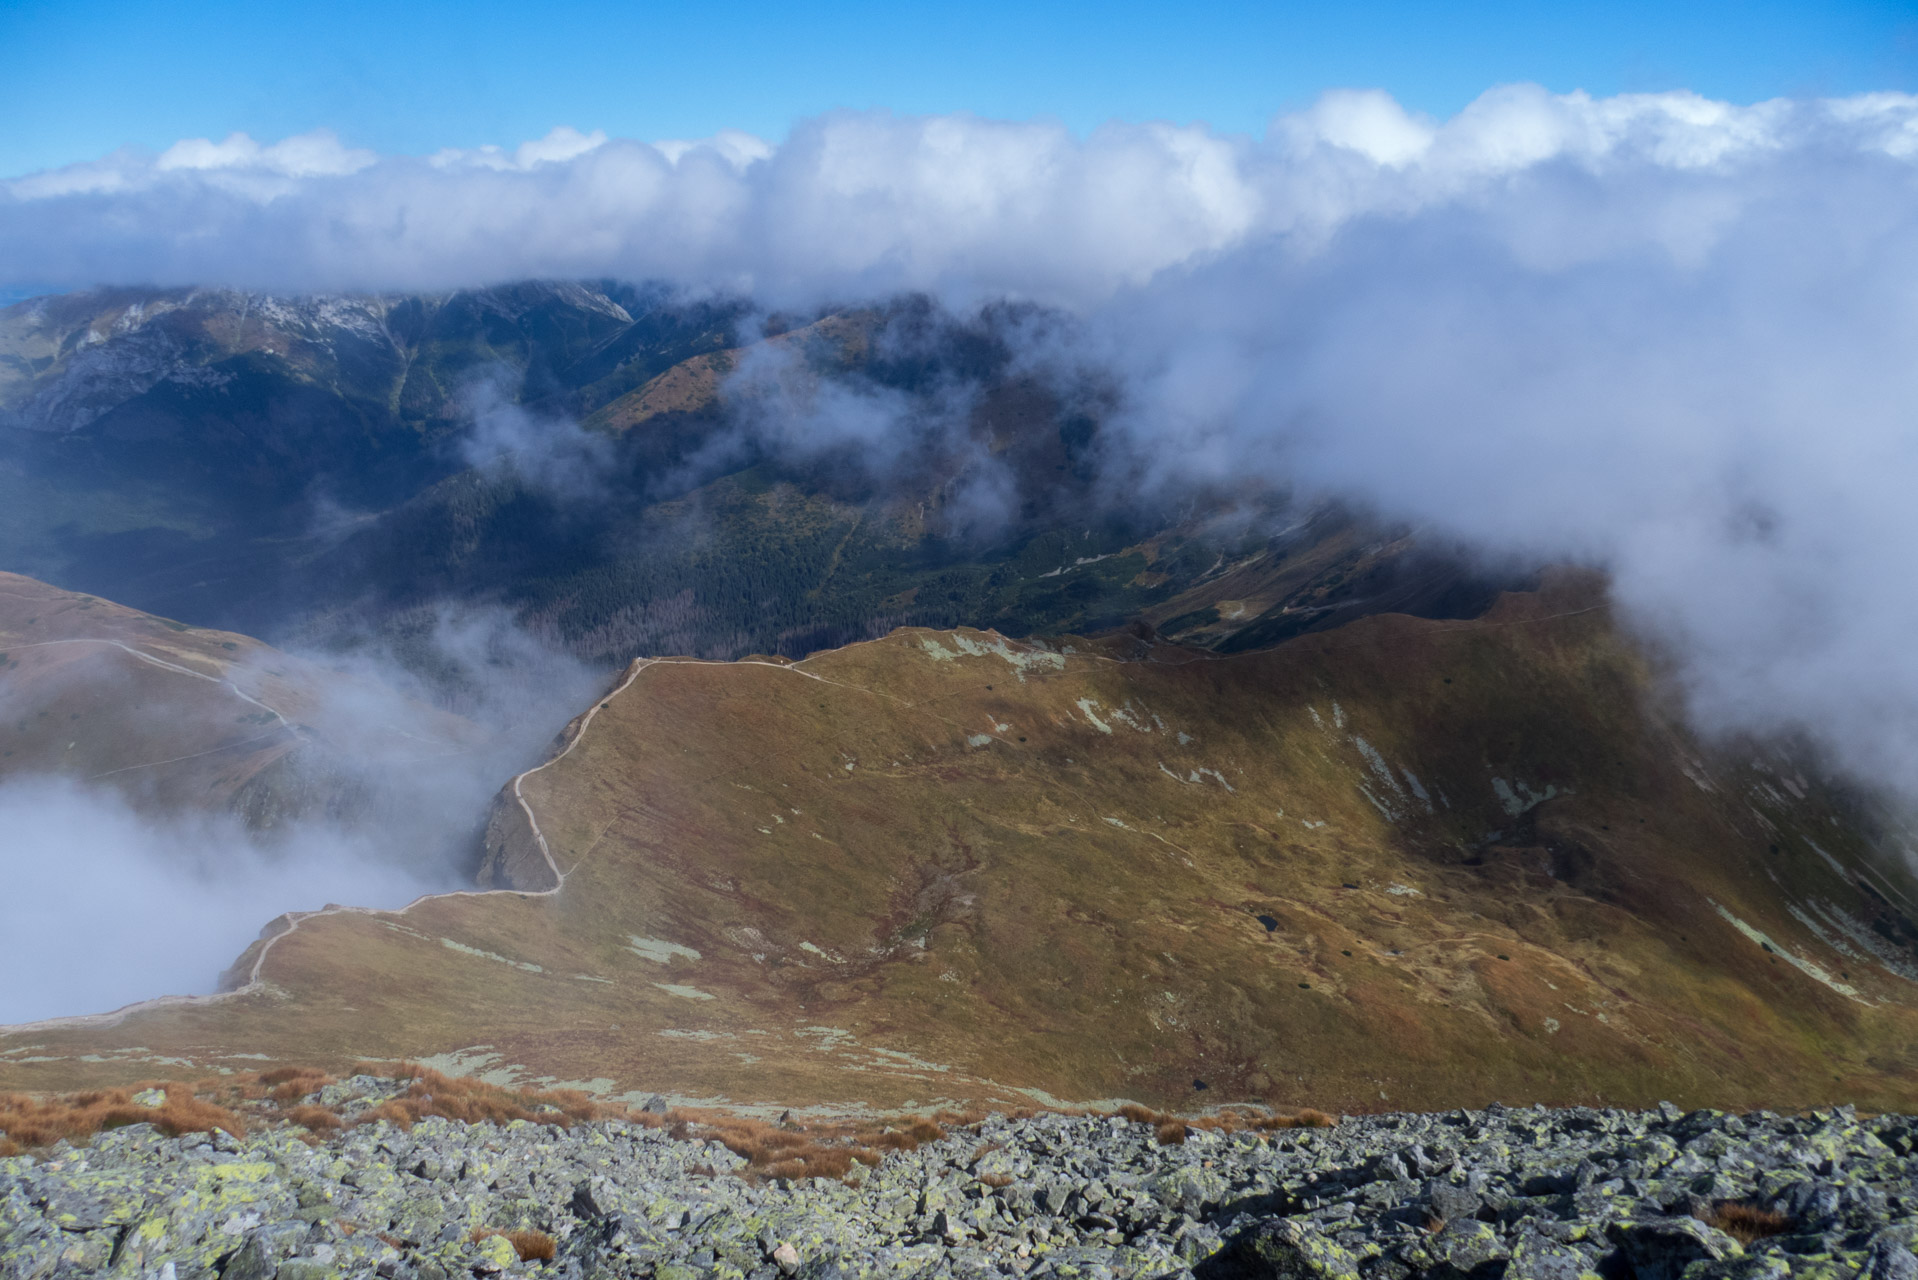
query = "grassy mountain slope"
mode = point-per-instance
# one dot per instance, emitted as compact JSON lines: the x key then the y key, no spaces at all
{"x":184,"y":719}
{"x":1402,"y":863}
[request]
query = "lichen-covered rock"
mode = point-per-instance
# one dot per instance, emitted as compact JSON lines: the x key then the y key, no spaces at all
{"x":1289,"y":1250}
{"x":1522,"y":1195}
{"x":1538,"y":1256}
{"x":1663,"y":1248}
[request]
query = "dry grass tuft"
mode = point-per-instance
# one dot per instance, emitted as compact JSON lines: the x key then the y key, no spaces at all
{"x":290,"y":1084}
{"x":960,"y":1119}
{"x":815,"y":1162}
{"x":29,"y":1121}
{"x":1747,"y":1223}
{"x":531,"y":1246}
{"x":314,"y":1118}
{"x":802,"y":1149}
{"x":1172,"y":1129}
{"x":794,"y":1150}
{"x":475,"y":1102}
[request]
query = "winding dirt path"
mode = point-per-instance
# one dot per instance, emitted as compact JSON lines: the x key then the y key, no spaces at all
{"x":164,"y":665}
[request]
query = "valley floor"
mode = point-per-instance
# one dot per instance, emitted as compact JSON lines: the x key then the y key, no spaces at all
{"x":1522,"y":1194}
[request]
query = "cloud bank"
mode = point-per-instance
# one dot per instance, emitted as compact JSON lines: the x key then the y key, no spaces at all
{"x":858,"y":205}
{"x":167,"y":904}
{"x":395,"y":795}
{"x":1656,"y":333}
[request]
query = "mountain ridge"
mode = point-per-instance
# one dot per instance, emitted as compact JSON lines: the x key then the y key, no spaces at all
{"x":661,"y":928}
{"x":339,"y":469}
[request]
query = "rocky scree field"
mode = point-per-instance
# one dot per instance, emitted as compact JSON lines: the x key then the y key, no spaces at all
{"x":1531,"y":1194}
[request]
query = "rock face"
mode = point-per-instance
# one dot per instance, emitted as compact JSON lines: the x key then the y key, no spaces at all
{"x":513,"y":859}
{"x":1531,"y":1194}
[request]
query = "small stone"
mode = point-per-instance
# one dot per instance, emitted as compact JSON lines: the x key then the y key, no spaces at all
{"x":787,"y":1258}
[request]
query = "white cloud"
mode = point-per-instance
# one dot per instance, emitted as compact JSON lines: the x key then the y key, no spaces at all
{"x":307,"y":155}
{"x":1369,"y":122}
{"x":871,"y":202}
{"x":736,"y":148}
{"x":561,"y":144}
{"x":164,"y":905}
{"x":1657,"y":332}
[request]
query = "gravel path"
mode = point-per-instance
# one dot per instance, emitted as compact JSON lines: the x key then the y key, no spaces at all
{"x":1552,"y":1194}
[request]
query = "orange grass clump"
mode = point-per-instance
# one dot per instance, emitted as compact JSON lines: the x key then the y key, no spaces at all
{"x":29,"y":1122}
{"x":1747,"y":1223}
{"x":531,"y":1246}
{"x":476,"y":1102}
{"x":314,"y":1118}
{"x":790,"y":1150}
{"x":1171,"y":1130}
{"x":798,"y":1149}
{"x":290,"y":1084}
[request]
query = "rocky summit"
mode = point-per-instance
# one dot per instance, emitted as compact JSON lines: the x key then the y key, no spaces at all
{"x":1533,"y":1194}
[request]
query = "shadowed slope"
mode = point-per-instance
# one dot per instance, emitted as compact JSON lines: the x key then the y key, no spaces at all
{"x":1401,"y":864}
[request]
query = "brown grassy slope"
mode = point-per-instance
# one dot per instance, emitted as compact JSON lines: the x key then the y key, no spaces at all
{"x":900,"y":872}
{"x":1342,"y":569}
{"x":695,"y":386}
{"x":170,"y":730}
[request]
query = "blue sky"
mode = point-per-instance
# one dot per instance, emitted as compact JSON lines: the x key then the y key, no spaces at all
{"x":81,"y":77}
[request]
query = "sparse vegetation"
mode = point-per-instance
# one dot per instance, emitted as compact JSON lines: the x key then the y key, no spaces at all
{"x":531,"y":1246}
{"x":315,"y":1119}
{"x":797,"y":1149}
{"x":475,"y":1102}
{"x":27,"y":1121}
{"x":792,"y":1149}
{"x":288,"y":1084}
{"x":1747,"y":1223}
{"x":1171,"y":1130}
